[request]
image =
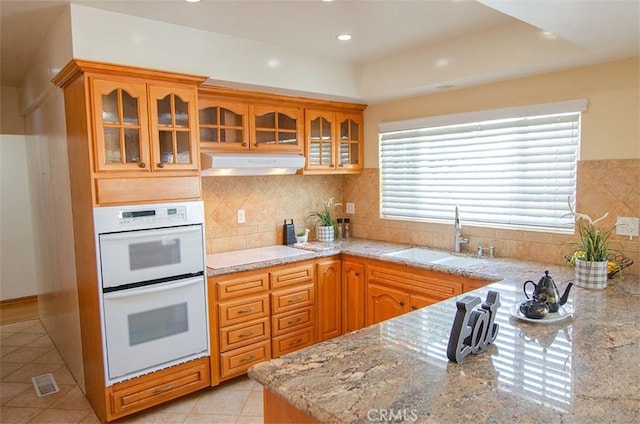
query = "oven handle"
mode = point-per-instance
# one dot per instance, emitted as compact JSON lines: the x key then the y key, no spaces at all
{"x":154,"y":232}
{"x":154,"y":288}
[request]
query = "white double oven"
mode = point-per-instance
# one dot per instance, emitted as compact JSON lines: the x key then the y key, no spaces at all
{"x":151,"y":271}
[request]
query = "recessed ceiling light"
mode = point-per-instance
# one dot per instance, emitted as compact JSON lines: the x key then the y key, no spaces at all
{"x":192,"y":1}
{"x":343,"y":37}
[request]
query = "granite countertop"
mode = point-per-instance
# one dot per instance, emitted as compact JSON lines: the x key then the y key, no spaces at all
{"x":581,"y":369}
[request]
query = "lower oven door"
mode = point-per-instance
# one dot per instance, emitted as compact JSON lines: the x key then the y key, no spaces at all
{"x":155,"y":326}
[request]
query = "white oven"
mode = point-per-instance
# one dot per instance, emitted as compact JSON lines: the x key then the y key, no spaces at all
{"x":154,"y":295}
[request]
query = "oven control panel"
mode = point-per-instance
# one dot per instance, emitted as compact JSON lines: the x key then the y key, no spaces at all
{"x":156,"y":215}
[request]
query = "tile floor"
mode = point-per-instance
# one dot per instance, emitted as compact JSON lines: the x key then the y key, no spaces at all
{"x":27,"y":351}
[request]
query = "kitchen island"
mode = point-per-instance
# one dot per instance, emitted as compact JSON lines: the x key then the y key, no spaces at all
{"x":583,"y":368}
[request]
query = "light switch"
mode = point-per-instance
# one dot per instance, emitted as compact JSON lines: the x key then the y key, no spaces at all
{"x":626,"y":226}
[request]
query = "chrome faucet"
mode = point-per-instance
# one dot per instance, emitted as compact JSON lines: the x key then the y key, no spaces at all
{"x":458,"y":240}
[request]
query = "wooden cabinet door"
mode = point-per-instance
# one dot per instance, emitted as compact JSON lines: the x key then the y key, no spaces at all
{"x":349,"y":147}
{"x":384,"y":303}
{"x":223,"y":125}
{"x":320,"y":140}
{"x":420,"y":301}
{"x":121,"y":125}
{"x":276,"y":128}
{"x":329,"y":299}
{"x":352,"y":296}
{"x":174,"y":139}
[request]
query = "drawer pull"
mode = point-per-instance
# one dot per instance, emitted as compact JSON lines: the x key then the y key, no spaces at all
{"x":247,"y":334}
{"x":294,"y":299}
{"x":294,"y":321}
{"x":295,"y":342}
{"x":247,"y":310}
{"x":159,"y":390}
{"x":247,"y":359}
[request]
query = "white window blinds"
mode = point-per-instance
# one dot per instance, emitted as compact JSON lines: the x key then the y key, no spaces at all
{"x":513,"y":168}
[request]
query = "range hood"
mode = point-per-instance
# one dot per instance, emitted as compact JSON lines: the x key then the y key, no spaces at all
{"x":249,"y":164}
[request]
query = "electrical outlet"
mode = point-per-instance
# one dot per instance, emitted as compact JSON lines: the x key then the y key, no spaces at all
{"x":626,"y":226}
{"x":240,"y":216}
{"x":351,"y":208}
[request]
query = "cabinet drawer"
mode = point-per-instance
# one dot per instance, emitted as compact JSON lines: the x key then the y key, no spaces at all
{"x":292,"y":275}
{"x":291,"y":322}
{"x":242,"y":286}
{"x":152,"y":389}
{"x":238,"y":361}
{"x":244,"y":334}
{"x":290,"y":342}
{"x":292,"y":299}
{"x":243,"y":310}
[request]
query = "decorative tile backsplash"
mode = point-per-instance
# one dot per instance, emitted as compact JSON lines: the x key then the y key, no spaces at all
{"x":267,"y":201}
{"x":603,"y":186}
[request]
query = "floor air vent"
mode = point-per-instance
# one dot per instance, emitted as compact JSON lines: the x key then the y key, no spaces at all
{"x":45,"y":384}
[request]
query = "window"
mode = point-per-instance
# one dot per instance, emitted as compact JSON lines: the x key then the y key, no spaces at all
{"x":509,"y":168}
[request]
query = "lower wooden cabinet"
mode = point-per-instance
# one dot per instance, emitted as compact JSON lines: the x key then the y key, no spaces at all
{"x":353,"y":295}
{"x":329,"y":290}
{"x":290,"y":342}
{"x":384,"y":303}
{"x":153,"y":389}
{"x":237,"y":361}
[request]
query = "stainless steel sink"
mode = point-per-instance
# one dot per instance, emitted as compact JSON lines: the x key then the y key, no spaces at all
{"x":428,"y":256}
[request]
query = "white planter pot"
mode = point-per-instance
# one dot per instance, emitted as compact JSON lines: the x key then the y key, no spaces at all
{"x":325,"y":233}
{"x":591,"y":275}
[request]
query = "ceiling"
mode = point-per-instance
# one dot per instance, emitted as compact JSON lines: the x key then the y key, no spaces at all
{"x":607,"y":29}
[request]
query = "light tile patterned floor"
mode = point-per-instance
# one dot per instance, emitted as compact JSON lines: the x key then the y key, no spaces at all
{"x":27,"y":351}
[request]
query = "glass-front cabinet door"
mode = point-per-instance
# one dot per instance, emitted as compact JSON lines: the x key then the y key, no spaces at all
{"x":121,"y":125}
{"x":320,"y":138}
{"x":276,"y":128}
{"x":350,"y":134}
{"x":223,"y":125}
{"x":173,"y":128}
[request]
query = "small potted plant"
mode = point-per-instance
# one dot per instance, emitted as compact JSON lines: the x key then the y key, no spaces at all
{"x":590,"y":253}
{"x":324,"y":220}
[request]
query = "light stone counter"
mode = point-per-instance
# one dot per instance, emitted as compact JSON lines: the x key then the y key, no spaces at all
{"x":584,"y":369}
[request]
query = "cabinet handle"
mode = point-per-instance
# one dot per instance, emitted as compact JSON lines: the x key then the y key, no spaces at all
{"x":244,"y":144}
{"x":161,"y":165}
{"x":247,"y":334}
{"x":142,"y":165}
{"x":166,"y":388}
{"x":246,"y":311}
{"x":414,"y":308}
{"x":295,"y":342}
{"x":294,"y":321}
{"x":248,"y":358}
{"x":401,"y":303}
{"x":294,"y":299}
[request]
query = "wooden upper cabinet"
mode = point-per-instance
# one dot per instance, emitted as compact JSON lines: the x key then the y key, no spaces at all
{"x":121,"y":125}
{"x":174,"y":138}
{"x":333,"y":142}
{"x":143,"y":127}
{"x":276,"y":128}
{"x":224,"y":125}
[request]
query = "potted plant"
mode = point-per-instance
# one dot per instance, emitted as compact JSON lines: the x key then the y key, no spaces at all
{"x":324,"y":220}
{"x":590,"y":253}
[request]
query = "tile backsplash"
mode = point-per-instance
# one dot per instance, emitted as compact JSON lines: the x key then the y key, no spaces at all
{"x":603,"y":186}
{"x":267,"y":201}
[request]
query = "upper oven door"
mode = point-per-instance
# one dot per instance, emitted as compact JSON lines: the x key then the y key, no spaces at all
{"x":147,"y":255}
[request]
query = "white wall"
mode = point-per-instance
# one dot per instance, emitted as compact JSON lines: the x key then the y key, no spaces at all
{"x":114,"y":37}
{"x":17,"y":238}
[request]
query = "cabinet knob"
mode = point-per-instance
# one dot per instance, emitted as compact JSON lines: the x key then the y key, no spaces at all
{"x":161,"y":165}
{"x":401,"y":303}
{"x":142,"y":165}
{"x":244,"y":144}
{"x":357,"y":274}
{"x":414,"y":307}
